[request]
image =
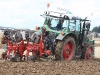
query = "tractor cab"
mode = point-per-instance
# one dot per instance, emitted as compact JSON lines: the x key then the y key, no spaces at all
{"x":55,"y":23}
{"x":65,"y":22}
{"x":58,"y":19}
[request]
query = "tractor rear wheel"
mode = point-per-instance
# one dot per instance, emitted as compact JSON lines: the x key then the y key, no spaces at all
{"x":65,"y":49}
{"x":88,"y":52}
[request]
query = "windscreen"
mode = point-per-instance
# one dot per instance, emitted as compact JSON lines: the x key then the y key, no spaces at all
{"x":59,"y":22}
{"x":54,"y":22}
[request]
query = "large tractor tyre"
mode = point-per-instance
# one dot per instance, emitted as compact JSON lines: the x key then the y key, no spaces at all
{"x":88,"y":52}
{"x":65,"y":49}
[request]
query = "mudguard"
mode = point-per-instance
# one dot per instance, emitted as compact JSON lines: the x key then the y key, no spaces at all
{"x":60,"y":37}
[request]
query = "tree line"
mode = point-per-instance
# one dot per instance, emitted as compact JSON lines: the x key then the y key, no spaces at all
{"x":96,"y":29}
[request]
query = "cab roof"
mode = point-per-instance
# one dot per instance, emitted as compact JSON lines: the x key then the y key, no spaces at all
{"x":62,"y":16}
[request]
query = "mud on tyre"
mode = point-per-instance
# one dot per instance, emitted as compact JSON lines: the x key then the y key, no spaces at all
{"x":65,"y":49}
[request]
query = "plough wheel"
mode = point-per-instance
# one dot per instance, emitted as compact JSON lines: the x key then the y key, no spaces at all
{"x":65,"y":49}
{"x":17,"y":58}
{"x":4,"y":56}
{"x":35,"y":57}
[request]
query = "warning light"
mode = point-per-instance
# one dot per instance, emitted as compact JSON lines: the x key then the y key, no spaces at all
{"x":48,"y":4}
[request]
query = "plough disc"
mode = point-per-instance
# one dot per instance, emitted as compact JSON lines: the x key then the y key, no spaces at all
{"x":18,"y":36}
{"x":35,"y":38}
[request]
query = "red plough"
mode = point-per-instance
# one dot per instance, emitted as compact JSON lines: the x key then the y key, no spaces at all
{"x":37,"y":48}
{"x":15,"y":49}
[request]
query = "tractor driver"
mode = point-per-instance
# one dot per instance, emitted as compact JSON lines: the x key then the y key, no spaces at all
{"x":59,"y":25}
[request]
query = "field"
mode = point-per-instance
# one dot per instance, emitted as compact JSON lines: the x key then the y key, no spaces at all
{"x":73,"y":67}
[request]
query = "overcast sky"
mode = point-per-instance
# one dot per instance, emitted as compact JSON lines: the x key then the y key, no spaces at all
{"x":26,"y":13}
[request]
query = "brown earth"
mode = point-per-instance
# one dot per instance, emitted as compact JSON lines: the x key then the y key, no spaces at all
{"x":73,"y":67}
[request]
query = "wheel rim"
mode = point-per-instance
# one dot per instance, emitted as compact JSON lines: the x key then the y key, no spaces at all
{"x":68,"y":50}
{"x":89,"y":53}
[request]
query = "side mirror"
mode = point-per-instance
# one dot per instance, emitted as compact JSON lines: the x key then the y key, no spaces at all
{"x":88,"y":25}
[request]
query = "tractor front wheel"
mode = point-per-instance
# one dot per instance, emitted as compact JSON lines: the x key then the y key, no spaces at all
{"x":65,"y":49}
{"x":87,"y":52}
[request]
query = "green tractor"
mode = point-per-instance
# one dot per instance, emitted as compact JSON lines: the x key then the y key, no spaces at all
{"x":66,"y":36}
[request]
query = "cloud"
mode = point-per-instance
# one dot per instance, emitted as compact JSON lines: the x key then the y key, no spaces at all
{"x":26,"y":13}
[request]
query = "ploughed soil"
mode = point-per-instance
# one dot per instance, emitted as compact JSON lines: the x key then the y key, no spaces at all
{"x":73,"y":67}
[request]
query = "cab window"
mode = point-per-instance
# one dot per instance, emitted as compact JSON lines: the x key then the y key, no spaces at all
{"x":72,"y":25}
{"x":77,"y":25}
{"x":54,"y":22}
{"x":65,"y":24}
